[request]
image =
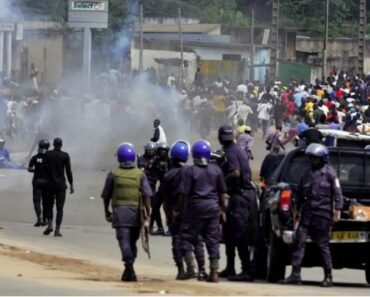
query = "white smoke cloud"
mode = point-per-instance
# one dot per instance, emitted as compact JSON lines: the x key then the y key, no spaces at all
{"x":123,"y":43}
{"x":9,"y":10}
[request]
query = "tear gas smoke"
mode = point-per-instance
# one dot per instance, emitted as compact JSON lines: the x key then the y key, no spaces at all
{"x":93,"y":128}
{"x":122,"y":109}
{"x":9,"y":10}
{"x":122,"y":45}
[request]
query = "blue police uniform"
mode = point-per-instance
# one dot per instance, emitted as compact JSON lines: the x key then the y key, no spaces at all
{"x":319,"y":194}
{"x":202,"y":185}
{"x":170,"y":191}
{"x":239,"y":229}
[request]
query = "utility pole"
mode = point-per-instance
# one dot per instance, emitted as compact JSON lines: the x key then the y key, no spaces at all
{"x":87,"y":59}
{"x":325,"y":48}
{"x":274,"y":40}
{"x":251,"y":75}
{"x":141,"y":55}
{"x":182,"y":52}
{"x":361,"y":38}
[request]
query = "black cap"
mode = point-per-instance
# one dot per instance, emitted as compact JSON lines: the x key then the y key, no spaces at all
{"x":226,"y":133}
{"x":58,"y":142}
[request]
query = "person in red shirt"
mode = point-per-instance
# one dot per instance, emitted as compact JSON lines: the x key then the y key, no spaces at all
{"x":330,"y":104}
{"x":287,"y":116}
{"x":339,"y":94}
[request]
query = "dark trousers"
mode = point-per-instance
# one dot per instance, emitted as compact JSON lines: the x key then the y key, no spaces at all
{"x":207,"y":228}
{"x":39,"y":198}
{"x":176,"y":247}
{"x":319,"y":230}
{"x":127,"y":238}
{"x":59,"y":197}
{"x":157,"y":201}
{"x":237,"y":230}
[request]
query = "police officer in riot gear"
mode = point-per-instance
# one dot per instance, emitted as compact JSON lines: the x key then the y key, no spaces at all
{"x":241,"y":214}
{"x":37,"y":166}
{"x":146,"y":160}
{"x":160,"y":166}
{"x":125,"y":189}
{"x":170,"y":188}
{"x":319,"y":201}
{"x":204,"y":188}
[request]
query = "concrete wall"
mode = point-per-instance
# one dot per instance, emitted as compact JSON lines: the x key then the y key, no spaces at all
{"x":211,"y":53}
{"x":170,"y":21}
{"x":149,"y":62}
{"x":45,"y":50}
{"x":337,"y":47}
{"x":342,"y":52}
{"x":367,"y":65}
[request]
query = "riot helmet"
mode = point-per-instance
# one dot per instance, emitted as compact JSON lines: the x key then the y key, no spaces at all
{"x":126,"y":155}
{"x":318,"y":150}
{"x":180,"y":151}
{"x":201,"y":152}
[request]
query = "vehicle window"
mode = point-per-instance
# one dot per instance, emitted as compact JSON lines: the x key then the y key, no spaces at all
{"x":351,"y":169}
{"x":293,"y":172}
{"x":367,"y":176}
{"x":349,"y":166}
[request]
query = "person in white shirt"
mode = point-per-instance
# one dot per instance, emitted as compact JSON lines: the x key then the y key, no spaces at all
{"x":159,"y":135}
{"x":264,"y":114}
{"x":243,"y":112}
{"x":171,"y":81}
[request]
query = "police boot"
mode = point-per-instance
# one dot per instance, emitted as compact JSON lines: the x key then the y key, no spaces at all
{"x":159,"y":231}
{"x":294,"y":278}
{"x":244,"y":276}
{"x":190,"y":272}
{"x":230,"y":268}
{"x":190,"y":267}
{"x":213,"y":276}
{"x":38,"y":222}
{"x":130,"y":273}
{"x":202,"y":275}
{"x":57,"y":232}
{"x":181,"y":275}
{"x":49,"y":228}
{"x":328,"y":280}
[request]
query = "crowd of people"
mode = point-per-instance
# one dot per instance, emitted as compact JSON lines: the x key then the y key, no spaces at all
{"x":197,"y":199}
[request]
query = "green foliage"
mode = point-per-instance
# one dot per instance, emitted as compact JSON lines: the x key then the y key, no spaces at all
{"x":53,"y":10}
{"x":224,"y":12}
{"x":310,"y":15}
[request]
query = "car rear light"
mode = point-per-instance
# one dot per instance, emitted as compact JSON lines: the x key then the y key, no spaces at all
{"x":285,"y":197}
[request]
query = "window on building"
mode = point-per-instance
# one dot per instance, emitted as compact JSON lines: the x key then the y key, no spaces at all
{"x":228,"y":57}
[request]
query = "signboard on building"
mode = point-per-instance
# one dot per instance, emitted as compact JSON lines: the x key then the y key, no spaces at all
{"x":6,"y":26}
{"x":88,"y":13}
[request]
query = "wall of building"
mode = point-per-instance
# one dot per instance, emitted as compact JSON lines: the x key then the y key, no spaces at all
{"x":149,"y":57}
{"x":45,"y":50}
{"x":216,"y":54}
{"x":342,"y":52}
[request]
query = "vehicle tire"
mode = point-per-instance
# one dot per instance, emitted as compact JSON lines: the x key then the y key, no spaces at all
{"x":275,"y":270}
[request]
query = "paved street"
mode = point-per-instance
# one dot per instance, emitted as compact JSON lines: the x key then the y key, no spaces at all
{"x":88,"y":237}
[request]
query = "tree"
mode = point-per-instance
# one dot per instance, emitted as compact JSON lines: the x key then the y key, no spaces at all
{"x":309,"y":15}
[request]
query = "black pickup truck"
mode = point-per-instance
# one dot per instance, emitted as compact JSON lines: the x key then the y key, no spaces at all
{"x":350,"y":244}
